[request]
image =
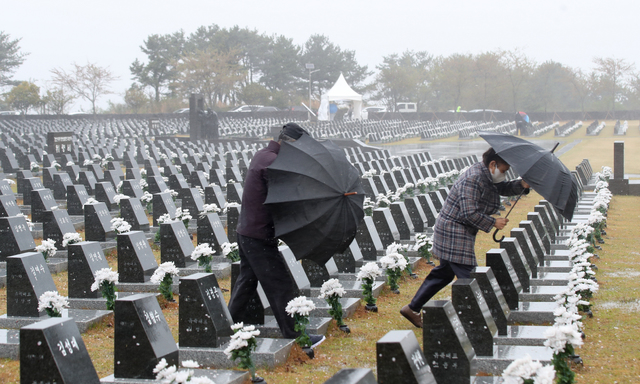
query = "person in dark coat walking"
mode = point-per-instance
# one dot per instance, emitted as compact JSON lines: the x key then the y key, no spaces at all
{"x":474,"y":197}
{"x":260,"y":260}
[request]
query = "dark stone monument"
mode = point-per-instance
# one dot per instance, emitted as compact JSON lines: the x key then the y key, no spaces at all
{"x":204,"y":316}
{"x":142,"y":337}
{"x":401,"y":217}
{"x":55,"y":224}
{"x":436,"y":199}
{"x":493,"y":296}
{"x":213,"y":195}
{"x":520,"y":264}
{"x":527,"y":250}
{"x":97,"y":223}
{"x":28,"y":277}
{"x":132,"y":188}
{"x":234,"y":193}
{"x":85,"y":259}
{"x":368,"y":239}
{"x":88,"y":180}
{"x":9,"y":206}
{"x":162,"y":204}
{"x":192,"y":201}
{"x":132,"y":212}
{"x":5,"y":189}
{"x":446,"y":346}
{"x":535,"y":240}
{"x":16,"y":237}
{"x":21,"y":176}
{"x":136,"y":262}
{"x":211,"y":230}
{"x":416,"y":214}
{"x":506,"y":276}
{"x":59,"y":143}
{"x":41,"y":200}
{"x":318,"y":274}
{"x":385,"y":226}
{"x":61,"y":181}
{"x":105,"y":193}
{"x":52,"y":351}
{"x":30,"y":184}
{"x":233,"y":215}
{"x":175,"y":243}
{"x":400,"y":360}
{"x":156,"y":184}
{"x":349,"y":260}
{"x":474,"y":315}
{"x":77,"y":197}
{"x":353,"y":376}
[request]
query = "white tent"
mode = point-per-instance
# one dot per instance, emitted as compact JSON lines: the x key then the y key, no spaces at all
{"x":340,"y":91}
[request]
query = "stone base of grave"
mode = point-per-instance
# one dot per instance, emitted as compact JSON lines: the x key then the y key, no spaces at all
{"x":218,"y":376}
{"x":541,"y":293}
{"x":57,"y":265}
{"x":98,"y":303}
{"x":485,"y":380}
{"x":270,"y":329}
{"x":3,"y":277}
{"x":353,"y":289}
{"x":503,"y":355}
{"x":558,"y":254}
{"x":146,"y":287}
{"x":349,"y":306}
{"x":269,"y":353}
{"x":84,"y":319}
{"x":523,"y":335}
{"x":550,"y":278}
{"x":530,"y":312}
{"x":10,"y":344}
{"x":219,"y":269}
{"x":108,"y":246}
{"x":555,"y":266}
{"x":353,"y":276}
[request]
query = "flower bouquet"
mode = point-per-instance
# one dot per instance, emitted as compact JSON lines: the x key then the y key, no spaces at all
{"x":203,"y":254}
{"x":47,"y":248}
{"x":367,"y":274}
{"x":332,"y":291}
{"x":300,"y":308}
{"x":243,"y":342}
{"x":230,"y":251}
{"x":163,"y":275}
{"x":52,"y":303}
{"x":106,"y":280}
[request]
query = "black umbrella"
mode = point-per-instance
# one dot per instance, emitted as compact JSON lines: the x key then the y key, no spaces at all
{"x":540,"y":168}
{"x":315,"y":197}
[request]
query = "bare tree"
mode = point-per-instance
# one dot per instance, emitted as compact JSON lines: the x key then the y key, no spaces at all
{"x":89,"y":81}
{"x":614,"y":73}
{"x":58,"y":100}
{"x":518,"y":68}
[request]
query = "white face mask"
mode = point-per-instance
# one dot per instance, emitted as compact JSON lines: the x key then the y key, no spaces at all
{"x":498,"y":176}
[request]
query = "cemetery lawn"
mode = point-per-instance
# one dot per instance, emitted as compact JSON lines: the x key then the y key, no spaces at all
{"x":610,"y":351}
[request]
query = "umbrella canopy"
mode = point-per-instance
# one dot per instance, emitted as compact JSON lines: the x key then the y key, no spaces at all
{"x":540,"y":168}
{"x":524,"y":116}
{"x":315,"y":197}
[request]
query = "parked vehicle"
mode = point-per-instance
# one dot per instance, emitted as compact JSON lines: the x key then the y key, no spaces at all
{"x":9,"y":113}
{"x":182,"y":110}
{"x":267,"y":109}
{"x":247,"y":108}
{"x":406,"y":107}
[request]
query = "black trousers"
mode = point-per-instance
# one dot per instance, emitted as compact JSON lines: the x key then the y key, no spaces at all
{"x":260,"y":261}
{"x":438,"y":278}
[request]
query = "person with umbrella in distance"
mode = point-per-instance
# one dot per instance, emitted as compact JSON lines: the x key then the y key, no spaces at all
{"x":474,"y":197}
{"x":260,"y":260}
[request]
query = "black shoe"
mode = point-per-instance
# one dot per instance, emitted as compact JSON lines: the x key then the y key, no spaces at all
{"x":316,"y":340}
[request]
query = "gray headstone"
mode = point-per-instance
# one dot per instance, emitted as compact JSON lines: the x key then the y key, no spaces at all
{"x":28,"y":277}
{"x":400,"y":360}
{"x":386,"y":227}
{"x":60,"y":183}
{"x":16,"y":237}
{"x":192,"y":202}
{"x":55,"y":224}
{"x":317,"y":273}
{"x":142,"y":337}
{"x":519,"y":262}
{"x":175,"y":243}
{"x":136,"y":262}
{"x":162,"y":204}
{"x":85,"y":259}
{"x":353,"y":376}
{"x":132,"y":212}
{"x":52,"y":351}
{"x":97,"y":223}
{"x":506,"y":276}
{"x":213,"y":195}
{"x":368,"y":239}
{"x":349,"y":260}
{"x":41,"y":201}
{"x":493,"y":296}
{"x":211,"y":231}
{"x":402,"y":220}
{"x":8,"y":206}
{"x":77,"y":197}
{"x":204,"y":316}
{"x":106,"y":193}
{"x":474,"y":315}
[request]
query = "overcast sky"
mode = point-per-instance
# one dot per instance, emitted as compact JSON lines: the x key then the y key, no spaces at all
{"x":59,"y":32}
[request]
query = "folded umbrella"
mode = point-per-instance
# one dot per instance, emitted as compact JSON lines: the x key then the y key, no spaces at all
{"x":315,"y":198}
{"x":540,"y":168}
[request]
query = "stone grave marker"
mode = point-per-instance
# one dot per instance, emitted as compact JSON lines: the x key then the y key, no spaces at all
{"x":178,"y":183}
{"x":401,"y":218}
{"x":55,"y":224}
{"x":400,"y":360}
{"x":132,"y":188}
{"x":88,"y":180}
{"x":113,"y":177}
{"x":156,"y":184}
{"x":74,"y":171}
{"x":21,"y":175}
{"x":527,"y":249}
{"x":162,"y":204}
{"x":213,"y":195}
{"x":41,"y":201}
{"x":318,"y":274}
{"x":142,"y":337}
{"x":368,"y":239}
{"x":16,"y":237}
{"x":353,"y":376}
{"x":416,"y":214}
{"x":85,"y":259}
{"x":386,"y":227}
{"x":203,"y":313}
{"x":47,"y":176}
{"x":350,"y":260}
{"x":518,"y":261}
{"x":175,"y":243}
{"x":506,"y":276}
{"x":234,"y":193}
{"x":446,"y":346}
{"x":5,"y":188}
{"x":28,"y":277}
{"x":535,"y":240}
{"x":30,"y":184}
{"x":105,"y":193}
{"x":61,"y":181}
{"x":429,"y":209}
{"x":233,"y":216}
{"x":192,"y":202}
{"x":132,"y":212}
{"x":8,"y":206}
{"x":211,"y":230}
{"x":52,"y":351}
{"x":96,"y":169}
{"x":136,"y":262}
{"x":77,"y":197}
{"x":97,"y":223}
{"x":493,"y":297}
{"x":300,"y":279}
{"x":536,"y":220}
{"x":198,"y":179}
{"x":133,"y":174}
{"x":474,"y":315}
{"x":436,"y":200}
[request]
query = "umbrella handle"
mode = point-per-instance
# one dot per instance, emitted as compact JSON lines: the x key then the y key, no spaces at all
{"x":350,"y":193}
{"x":494,"y":236}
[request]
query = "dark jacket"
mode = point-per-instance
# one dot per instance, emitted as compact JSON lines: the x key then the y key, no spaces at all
{"x":255,"y":219}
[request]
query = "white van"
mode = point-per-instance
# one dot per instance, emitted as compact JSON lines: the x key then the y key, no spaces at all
{"x":406,"y":107}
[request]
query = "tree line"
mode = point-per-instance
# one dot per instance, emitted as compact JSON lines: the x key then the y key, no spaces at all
{"x":242,"y":66}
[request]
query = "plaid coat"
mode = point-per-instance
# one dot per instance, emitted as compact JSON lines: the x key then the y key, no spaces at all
{"x":471,"y":201}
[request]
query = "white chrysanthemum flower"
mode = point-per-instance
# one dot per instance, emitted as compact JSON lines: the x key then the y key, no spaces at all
{"x":300,"y":306}
{"x":369,"y":271}
{"x":163,"y":269}
{"x":48,"y":247}
{"x":201,"y":250}
{"x":332,"y":287}
{"x":119,"y":225}
{"x":70,"y":238}
{"x":559,"y":336}
{"x":104,"y":275}
{"x":52,"y":299}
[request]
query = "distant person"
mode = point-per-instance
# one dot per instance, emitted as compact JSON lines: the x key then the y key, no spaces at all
{"x":349,"y":111}
{"x":474,"y":197}
{"x":333,"y":109}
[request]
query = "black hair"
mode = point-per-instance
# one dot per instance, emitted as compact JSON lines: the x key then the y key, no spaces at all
{"x":491,"y":155}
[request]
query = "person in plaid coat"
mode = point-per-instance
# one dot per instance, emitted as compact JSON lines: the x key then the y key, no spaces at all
{"x":474,"y":197}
